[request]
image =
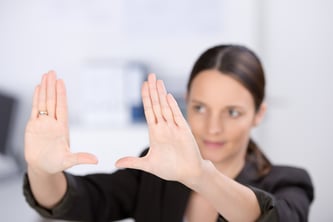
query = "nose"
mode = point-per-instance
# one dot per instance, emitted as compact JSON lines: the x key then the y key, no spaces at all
{"x":215,"y":124}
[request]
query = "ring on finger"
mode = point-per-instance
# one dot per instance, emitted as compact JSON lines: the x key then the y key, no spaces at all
{"x":43,"y":113}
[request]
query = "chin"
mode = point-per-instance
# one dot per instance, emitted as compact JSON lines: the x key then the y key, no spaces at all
{"x":213,"y":156}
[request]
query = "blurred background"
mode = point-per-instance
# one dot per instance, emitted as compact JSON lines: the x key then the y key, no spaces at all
{"x":103,"y":49}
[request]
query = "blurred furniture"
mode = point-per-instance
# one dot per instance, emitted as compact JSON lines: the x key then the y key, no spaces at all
{"x":9,"y":162}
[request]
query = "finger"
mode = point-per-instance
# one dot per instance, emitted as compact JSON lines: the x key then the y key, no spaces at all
{"x":148,"y":109}
{"x":154,"y":97}
{"x":165,"y":108}
{"x":176,"y":112}
{"x":34,"y":110}
{"x":51,"y":93}
{"x":131,"y":162}
{"x":42,"y":94}
{"x":79,"y":158}
{"x":61,"y":104}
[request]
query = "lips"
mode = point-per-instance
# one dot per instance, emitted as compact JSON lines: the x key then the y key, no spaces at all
{"x":214,"y":144}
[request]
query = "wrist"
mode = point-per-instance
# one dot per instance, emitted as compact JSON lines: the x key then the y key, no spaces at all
{"x":197,"y":180}
{"x":32,"y":171}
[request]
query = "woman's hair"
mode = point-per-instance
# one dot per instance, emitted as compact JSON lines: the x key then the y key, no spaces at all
{"x":243,"y":65}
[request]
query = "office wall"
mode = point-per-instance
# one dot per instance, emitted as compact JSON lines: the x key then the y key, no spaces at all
{"x":297,"y":38}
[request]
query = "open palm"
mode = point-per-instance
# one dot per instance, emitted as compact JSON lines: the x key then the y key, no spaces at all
{"x":173,"y":152}
{"x":47,"y":135}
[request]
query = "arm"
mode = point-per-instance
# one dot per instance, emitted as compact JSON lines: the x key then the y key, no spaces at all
{"x":93,"y":197}
{"x":289,"y":192}
{"x":227,"y":196}
{"x":174,"y":155}
{"x":47,"y":149}
{"x":48,"y":189}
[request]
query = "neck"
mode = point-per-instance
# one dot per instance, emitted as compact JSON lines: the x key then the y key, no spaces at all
{"x":231,"y":168}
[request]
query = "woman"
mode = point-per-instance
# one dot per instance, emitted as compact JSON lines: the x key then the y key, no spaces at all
{"x":208,"y":169}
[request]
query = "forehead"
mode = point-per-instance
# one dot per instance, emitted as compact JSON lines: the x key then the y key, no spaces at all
{"x":212,"y":86}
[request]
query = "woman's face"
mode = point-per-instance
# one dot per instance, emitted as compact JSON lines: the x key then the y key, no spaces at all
{"x":221,"y":113}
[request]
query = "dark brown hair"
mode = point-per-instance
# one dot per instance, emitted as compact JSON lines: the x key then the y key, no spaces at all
{"x":243,"y":65}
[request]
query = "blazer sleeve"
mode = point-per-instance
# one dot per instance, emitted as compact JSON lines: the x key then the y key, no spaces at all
{"x":285,"y":195}
{"x":94,"y":197}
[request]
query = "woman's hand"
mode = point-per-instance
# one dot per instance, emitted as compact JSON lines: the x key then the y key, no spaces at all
{"x":173,"y":152}
{"x":47,"y":147}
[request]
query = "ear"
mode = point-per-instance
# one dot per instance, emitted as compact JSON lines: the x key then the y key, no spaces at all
{"x":260,"y":114}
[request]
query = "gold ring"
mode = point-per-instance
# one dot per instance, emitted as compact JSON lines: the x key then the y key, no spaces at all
{"x":43,"y":113}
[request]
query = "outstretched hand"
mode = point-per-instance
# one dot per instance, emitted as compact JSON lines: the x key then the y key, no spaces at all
{"x":173,"y":152}
{"x":47,"y":147}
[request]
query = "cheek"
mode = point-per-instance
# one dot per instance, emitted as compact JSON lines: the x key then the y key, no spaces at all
{"x":240,"y":131}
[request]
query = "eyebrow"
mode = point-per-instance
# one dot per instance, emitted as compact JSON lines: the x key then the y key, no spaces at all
{"x":196,"y":101}
{"x":228,"y":106}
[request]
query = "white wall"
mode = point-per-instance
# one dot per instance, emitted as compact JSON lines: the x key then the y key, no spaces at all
{"x":298,"y":130}
{"x":292,"y":37}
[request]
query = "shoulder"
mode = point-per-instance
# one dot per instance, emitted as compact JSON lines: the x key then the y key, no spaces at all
{"x":289,"y":173}
{"x":281,"y":177}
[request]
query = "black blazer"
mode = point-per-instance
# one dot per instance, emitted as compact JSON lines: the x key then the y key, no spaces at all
{"x":284,"y":194}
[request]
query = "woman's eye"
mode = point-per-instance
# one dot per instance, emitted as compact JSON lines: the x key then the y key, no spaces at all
{"x":199,"y":109}
{"x":234,"y":113}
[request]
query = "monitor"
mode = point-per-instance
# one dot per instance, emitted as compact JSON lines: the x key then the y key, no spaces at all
{"x":7,"y":104}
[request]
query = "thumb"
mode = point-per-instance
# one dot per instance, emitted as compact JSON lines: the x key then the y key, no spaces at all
{"x":79,"y":158}
{"x":131,"y":162}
